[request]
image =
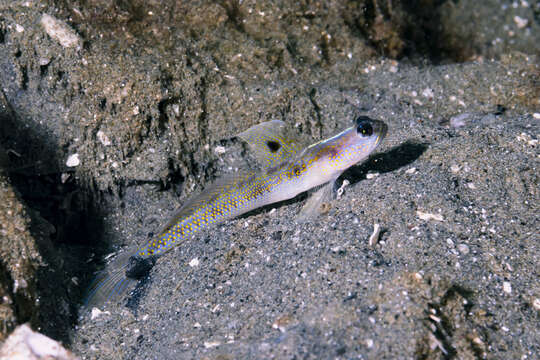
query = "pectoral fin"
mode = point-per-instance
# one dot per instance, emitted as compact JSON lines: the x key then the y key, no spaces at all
{"x":272,"y":143}
{"x":317,"y":202}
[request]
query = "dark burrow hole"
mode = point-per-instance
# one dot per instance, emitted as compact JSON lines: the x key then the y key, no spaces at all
{"x":65,"y":220}
{"x":410,"y":29}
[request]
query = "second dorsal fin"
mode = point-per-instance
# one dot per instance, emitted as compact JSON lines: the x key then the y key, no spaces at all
{"x":210,"y":193}
{"x":272,"y":143}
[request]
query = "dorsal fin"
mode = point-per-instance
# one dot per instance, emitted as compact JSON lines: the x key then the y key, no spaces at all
{"x":211,"y":192}
{"x":272,"y":143}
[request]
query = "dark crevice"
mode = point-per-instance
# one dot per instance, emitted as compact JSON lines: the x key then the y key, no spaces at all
{"x":203,"y":118}
{"x":457,"y":290}
{"x":408,"y":29}
{"x":113,"y":111}
{"x":164,"y":111}
{"x":175,"y":180}
{"x":43,"y":70}
{"x":102,"y":103}
{"x":2,"y":31}
{"x":442,"y":327}
{"x":292,"y":47}
{"x":24,"y":78}
{"x":65,"y":221}
{"x":317,"y":109}
{"x":325,"y":49}
{"x":234,"y":13}
{"x":424,"y":33}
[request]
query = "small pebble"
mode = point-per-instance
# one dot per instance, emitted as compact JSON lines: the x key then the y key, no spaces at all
{"x":219,"y":150}
{"x":372,"y":175}
{"x":211,"y":344}
{"x":536,"y":304}
{"x":176,"y":109}
{"x":374,"y":238}
{"x":103,"y":138}
{"x":194,"y":262}
{"x":64,"y":177}
{"x":282,"y":322}
{"x":428,"y":216}
{"x":369,"y":343}
{"x":96,"y":313}
{"x":73,"y":160}
{"x":428,"y":93}
{"x":44,"y":61}
{"x":410,"y":171}
{"x":455,"y":168}
{"x":507,"y":287}
{"x":459,"y":120}
{"x":463,"y":248}
{"x":520,"y":22}
{"x":342,"y":188}
{"x":60,"y":31}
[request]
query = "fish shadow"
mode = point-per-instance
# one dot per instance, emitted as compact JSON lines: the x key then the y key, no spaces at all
{"x":388,"y":161}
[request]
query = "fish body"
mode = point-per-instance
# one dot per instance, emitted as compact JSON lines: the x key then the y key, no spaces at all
{"x":288,"y":171}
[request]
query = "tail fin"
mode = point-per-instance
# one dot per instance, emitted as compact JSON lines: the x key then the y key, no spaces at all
{"x":111,"y":283}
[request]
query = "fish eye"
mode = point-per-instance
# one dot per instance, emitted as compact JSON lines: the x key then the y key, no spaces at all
{"x":363,"y":126}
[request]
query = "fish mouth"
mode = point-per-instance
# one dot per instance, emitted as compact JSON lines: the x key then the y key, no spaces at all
{"x":381,"y":129}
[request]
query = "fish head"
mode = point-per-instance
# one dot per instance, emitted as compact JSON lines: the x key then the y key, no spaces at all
{"x":352,"y":145}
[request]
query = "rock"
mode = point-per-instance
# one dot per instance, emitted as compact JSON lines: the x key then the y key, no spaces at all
{"x":73,"y":160}
{"x":26,"y":344}
{"x":60,"y":31}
